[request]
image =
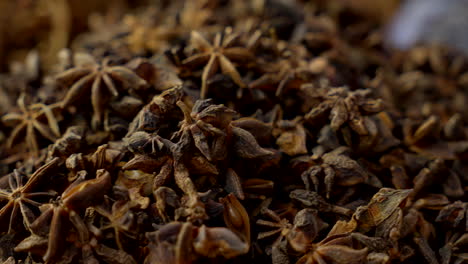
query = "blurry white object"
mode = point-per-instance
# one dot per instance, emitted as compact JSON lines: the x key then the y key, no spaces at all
{"x":430,"y":21}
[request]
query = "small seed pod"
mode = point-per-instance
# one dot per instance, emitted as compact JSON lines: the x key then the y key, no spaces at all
{"x":236,"y":217}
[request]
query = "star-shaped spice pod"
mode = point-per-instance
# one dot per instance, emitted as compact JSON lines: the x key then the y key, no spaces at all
{"x":339,"y":249}
{"x":100,"y":81}
{"x":298,"y":235}
{"x":173,"y":160}
{"x":345,"y":106}
{"x":120,"y":219}
{"x":221,"y":54}
{"x":207,"y":123}
{"x":30,"y":121}
{"x":337,"y":168}
{"x":20,"y":195}
{"x":67,"y":209}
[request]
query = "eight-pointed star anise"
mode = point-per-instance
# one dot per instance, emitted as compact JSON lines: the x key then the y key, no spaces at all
{"x":345,"y":106}
{"x":207,"y":125}
{"x":281,"y":226}
{"x":97,"y":81}
{"x":20,"y":195}
{"x":120,"y":218}
{"x":31,"y":121}
{"x":299,"y":235}
{"x":221,"y":54}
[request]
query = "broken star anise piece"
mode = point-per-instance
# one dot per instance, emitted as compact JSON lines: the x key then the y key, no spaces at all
{"x":172,"y":243}
{"x":219,"y":241}
{"x":291,"y":136}
{"x":159,"y":114}
{"x":236,"y":217}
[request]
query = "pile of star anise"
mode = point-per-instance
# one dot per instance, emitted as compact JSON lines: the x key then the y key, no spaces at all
{"x":216,"y":131}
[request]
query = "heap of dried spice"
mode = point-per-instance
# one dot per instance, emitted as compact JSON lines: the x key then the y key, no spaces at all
{"x":216,"y":131}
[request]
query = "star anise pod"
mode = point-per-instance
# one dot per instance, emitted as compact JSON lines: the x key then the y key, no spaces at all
{"x":207,"y":125}
{"x":70,"y":142}
{"x":179,"y":242}
{"x":236,"y":217}
{"x":159,"y":114}
{"x":291,"y":72}
{"x":153,"y":154}
{"x":172,"y":160}
{"x":299,"y":235}
{"x":383,"y":213}
{"x":453,"y":214}
{"x":338,"y":249}
{"x":120,"y":218}
{"x":344,"y":106}
{"x":281,"y":226}
{"x":76,"y":198}
{"x":31,"y":121}
{"x":453,"y":249}
{"x":20,"y":195}
{"x":335,"y":167}
{"x":425,"y":137}
{"x":291,"y":136}
{"x":97,"y":81}
{"x":85,"y":242}
{"x":315,"y":201}
{"x":221,"y":54}
{"x":172,"y":243}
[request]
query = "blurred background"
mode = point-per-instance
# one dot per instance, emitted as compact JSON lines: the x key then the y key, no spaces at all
{"x":50,"y":25}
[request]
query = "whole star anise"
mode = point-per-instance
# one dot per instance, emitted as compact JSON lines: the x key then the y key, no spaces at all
{"x":97,"y":81}
{"x":221,"y":54}
{"x":344,"y":106}
{"x":31,"y":122}
{"x":20,"y":195}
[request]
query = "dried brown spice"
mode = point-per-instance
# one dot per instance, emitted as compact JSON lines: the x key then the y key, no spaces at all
{"x":30,"y":122}
{"x":219,"y":55}
{"x":299,"y":235}
{"x":334,"y":249}
{"x":382,"y":206}
{"x":99,"y":81}
{"x":20,"y":195}
{"x":207,"y":123}
{"x":291,"y":137}
{"x":78,"y":196}
{"x":315,"y":201}
{"x":334,"y":167}
{"x":120,"y":218}
{"x":236,"y":217}
{"x":345,"y":107}
{"x":341,"y":150}
{"x":157,"y":114}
